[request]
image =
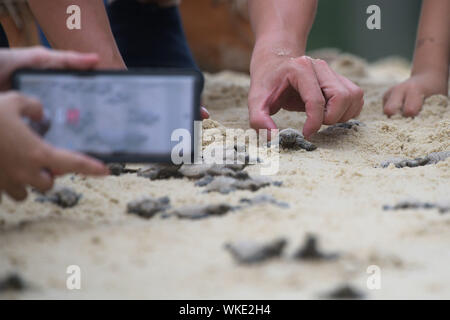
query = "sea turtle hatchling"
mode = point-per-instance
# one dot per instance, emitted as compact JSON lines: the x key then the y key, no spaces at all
{"x":310,"y":251}
{"x":148,"y":207}
{"x":202,"y":211}
{"x":198,"y":171}
{"x":343,"y":127}
{"x":344,"y":291}
{"x":263,"y":199}
{"x":159,"y":171}
{"x":442,"y":207}
{"x":432,"y":158}
{"x":117,"y":169}
{"x":292,"y":139}
{"x":248,"y":252}
{"x":12,"y":282}
{"x":225,"y":185}
{"x":61,"y":196}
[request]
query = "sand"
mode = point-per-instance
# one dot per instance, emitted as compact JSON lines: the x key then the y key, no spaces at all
{"x":336,"y":192}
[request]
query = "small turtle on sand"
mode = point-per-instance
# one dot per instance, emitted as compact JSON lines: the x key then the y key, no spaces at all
{"x":63,"y":197}
{"x":263,"y":199}
{"x":344,"y":291}
{"x":159,"y":171}
{"x":197,"y":171}
{"x":225,"y":185}
{"x":117,"y":169}
{"x":245,"y":252}
{"x":343,"y":127}
{"x":202,"y":211}
{"x":204,"y":181}
{"x":148,"y":207}
{"x":293,"y":139}
{"x":310,"y":251}
{"x":348,"y":125}
{"x":432,"y":158}
{"x":412,"y":204}
{"x":12,"y":282}
{"x":436,"y":157}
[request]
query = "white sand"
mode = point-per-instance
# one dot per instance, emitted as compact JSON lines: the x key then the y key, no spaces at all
{"x":336,"y":192}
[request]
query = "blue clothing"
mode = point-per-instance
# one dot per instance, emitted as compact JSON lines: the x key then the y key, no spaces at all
{"x":149,"y":35}
{"x":3,"y":39}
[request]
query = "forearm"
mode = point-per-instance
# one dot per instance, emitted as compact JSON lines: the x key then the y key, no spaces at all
{"x":432,"y":52}
{"x":95,"y":35}
{"x":282,"y":26}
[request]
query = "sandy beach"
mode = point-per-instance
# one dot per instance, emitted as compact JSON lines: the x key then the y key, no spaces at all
{"x":336,"y":192}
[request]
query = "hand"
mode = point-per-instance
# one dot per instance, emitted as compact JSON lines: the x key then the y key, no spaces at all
{"x":41,"y":58}
{"x":300,"y":84}
{"x":25,"y":158}
{"x":407,"y":98}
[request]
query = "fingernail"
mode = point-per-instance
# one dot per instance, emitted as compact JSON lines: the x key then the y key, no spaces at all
{"x":205,"y":110}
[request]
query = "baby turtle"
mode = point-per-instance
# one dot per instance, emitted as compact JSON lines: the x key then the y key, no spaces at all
{"x":402,"y":163}
{"x":310,"y":251}
{"x":148,"y":207}
{"x":245,"y":252}
{"x":202,"y":211}
{"x":222,"y":185}
{"x":12,"y":282}
{"x":160,"y":171}
{"x":117,"y":169}
{"x":195,"y":171}
{"x":436,"y":157}
{"x":348,"y":125}
{"x":262,"y":199}
{"x":293,"y":139}
{"x":204,"y":181}
{"x":432,"y":158}
{"x":343,"y":127}
{"x":411,"y":204}
{"x":63,"y":197}
{"x":344,"y":291}
{"x":225,"y":185}
{"x":198,"y":171}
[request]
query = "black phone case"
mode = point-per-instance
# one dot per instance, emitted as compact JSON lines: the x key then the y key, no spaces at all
{"x":127,"y":157}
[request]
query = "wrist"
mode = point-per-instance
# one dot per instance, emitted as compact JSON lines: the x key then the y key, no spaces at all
{"x":440,"y":72}
{"x":272,"y":46}
{"x":277,"y":41}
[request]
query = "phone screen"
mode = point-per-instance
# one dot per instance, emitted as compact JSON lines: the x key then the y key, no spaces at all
{"x":108,"y":114}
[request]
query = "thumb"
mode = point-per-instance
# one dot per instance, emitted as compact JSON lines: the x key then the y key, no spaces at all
{"x":71,"y":60}
{"x":42,"y":58}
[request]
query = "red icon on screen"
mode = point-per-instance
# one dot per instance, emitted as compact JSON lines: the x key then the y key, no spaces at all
{"x":73,"y":116}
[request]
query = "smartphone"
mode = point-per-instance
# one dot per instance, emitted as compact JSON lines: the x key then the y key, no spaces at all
{"x":115,"y":116}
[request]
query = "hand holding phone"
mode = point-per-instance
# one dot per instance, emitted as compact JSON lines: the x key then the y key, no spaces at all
{"x":28,"y":160}
{"x":115,"y":116}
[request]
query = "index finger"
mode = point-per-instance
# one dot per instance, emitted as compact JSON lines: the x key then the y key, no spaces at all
{"x":304,"y":80}
{"x":63,"y":161}
{"x":39,"y":57}
{"x":69,"y":60}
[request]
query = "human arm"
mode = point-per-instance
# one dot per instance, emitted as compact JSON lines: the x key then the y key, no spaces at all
{"x":95,"y":34}
{"x":282,"y":77}
{"x":26,"y":159}
{"x":430,"y":70}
